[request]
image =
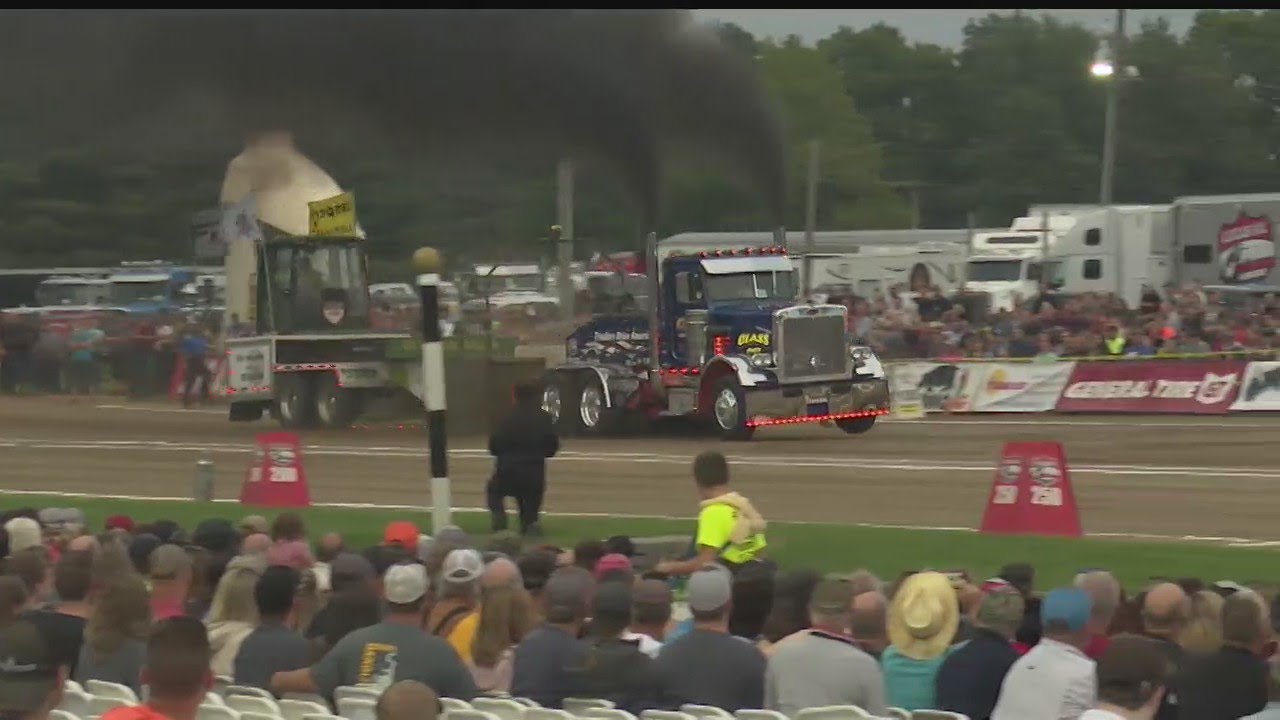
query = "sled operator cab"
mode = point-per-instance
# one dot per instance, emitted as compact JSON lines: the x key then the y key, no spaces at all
{"x":726,"y":342}
{"x":314,"y":284}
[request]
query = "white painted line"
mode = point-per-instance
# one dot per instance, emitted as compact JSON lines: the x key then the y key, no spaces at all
{"x":1229,"y":541}
{"x":776,"y":461}
{"x":179,"y":410}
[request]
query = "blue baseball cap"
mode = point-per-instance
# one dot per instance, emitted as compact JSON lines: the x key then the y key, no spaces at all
{"x":1069,"y":606}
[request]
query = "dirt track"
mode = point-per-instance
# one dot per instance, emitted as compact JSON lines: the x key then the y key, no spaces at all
{"x":1164,"y":476}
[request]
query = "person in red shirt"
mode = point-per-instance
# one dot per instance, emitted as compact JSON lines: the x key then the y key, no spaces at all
{"x":176,"y":672}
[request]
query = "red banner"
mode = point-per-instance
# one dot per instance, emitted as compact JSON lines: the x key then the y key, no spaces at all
{"x":1153,"y":386}
{"x":276,"y":477}
{"x":1031,"y":493}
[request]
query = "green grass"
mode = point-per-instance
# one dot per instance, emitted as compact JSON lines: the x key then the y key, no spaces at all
{"x":828,"y":547}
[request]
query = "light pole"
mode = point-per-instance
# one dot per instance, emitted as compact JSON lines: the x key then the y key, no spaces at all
{"x":1105,"y":66}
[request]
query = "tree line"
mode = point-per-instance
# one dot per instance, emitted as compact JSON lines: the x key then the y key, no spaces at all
{"x":911,"y":134}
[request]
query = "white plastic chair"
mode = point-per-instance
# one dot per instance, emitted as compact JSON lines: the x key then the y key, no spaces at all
{"x":577,"y":706}
{"x":326,"y":716}
{"x":221,"y":683}
{"x":448,"y":703}
{"x":760,"y":715}
{"x":61,"y":715}
{"x":75,"y":702}
{"x":708,"y":712}
{"x":252,"y":703}
{"x":248,"y":690}
{"x":99,"y":705}
{"x":541,"y":713}
{"x":503,"y":708}
{"x":468,"y":715}
{"x":104,"y":689}
{"x":292,"y":709}
{"x":354,"y":692}
{"x":216,"y":712}
{"x":213,"y":698}
{"x":937,"y":715}
{"x":526,"y":702}
{"x":834,"y":712}
{"x":357,"y":708}
{"x":899,"y":714}
{"x":73,"y":685}
{"x":258,"y":716}
{"x":608,"y":714}
{"x":665,"y":715}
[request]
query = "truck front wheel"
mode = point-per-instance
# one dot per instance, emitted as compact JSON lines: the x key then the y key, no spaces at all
{"x":729,"y":410}
{"x":856,"y":426}
{"x":336,"y":406}
{"x":295,"y":401}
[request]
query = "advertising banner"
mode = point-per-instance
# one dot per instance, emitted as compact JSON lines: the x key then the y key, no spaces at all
{"x":1153,"y":386}
{"x":1260,"y":389}
{"x":937,"y":382}
{"x":1017,"y":387}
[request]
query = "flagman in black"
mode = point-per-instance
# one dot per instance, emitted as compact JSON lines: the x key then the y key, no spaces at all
{"x":520,"y":447}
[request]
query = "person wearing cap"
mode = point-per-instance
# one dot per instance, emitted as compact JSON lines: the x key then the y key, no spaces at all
{"x":402,"y":534}
{"x":615,"y":567}
{"x":969,"y":679}
{"x":31,"y":680}
{"x":394,"y":649}
{"x":1055,"y":680}
{"x":1133,"y":675}
{"x":730,"y":529}
{"x":170,"y":572}
{"x":707,"y":665}
{"x":1231,"y":682}
{"x":824,"y":666}
{"x":614,"y":668}
{"x":546,"y":658}
{"x":455,"y":615}
{"x":520,"y":446}
{"x":650,"y":615}
{"x":923,"y":619}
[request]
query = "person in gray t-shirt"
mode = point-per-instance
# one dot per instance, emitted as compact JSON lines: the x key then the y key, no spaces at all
{"x":272,"y":646}
{"x":395,"y":649}
{"x":823,"y":666}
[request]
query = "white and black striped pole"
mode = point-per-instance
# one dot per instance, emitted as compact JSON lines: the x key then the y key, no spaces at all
{"x":427,"y":262}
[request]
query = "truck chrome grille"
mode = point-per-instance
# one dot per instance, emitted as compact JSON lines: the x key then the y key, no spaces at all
{"x":811,"y":347}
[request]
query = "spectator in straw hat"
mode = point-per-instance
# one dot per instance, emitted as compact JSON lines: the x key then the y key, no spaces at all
{"x":970,"y":678}
{"x":923,"y":619}
{"x":1055,"y":680}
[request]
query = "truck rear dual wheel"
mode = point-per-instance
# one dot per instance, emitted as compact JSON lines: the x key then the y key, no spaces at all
{"x":307,"y":401}
{"x":577,"y":404}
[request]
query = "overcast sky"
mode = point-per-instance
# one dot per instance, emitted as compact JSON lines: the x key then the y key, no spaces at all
{"x":942,"y":27}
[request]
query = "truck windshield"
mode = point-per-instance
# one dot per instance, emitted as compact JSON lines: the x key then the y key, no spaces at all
{"x":68,"y":293}
{"x":995,"y":270}
{"x":124,"y":292}
{"x":319,"y":286}
{"x":751,"y":286}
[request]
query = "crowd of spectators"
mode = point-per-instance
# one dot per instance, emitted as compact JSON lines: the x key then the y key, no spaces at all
{"x":269,"y":604}
{"x":1190,"y":320}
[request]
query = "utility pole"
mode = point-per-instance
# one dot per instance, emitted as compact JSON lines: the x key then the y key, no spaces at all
{"x":564,"y":248}
{"x":1113,"y":103}
{"x":811,"y":214}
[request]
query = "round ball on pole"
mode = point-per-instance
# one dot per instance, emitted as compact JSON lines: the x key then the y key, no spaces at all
{"x":426,"y":260}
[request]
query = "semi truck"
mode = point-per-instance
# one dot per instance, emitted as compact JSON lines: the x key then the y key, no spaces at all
{"x":299,"y":344}
{"x":726,"y":342}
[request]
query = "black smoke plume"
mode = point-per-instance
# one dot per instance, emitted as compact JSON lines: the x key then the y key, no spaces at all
{"x":615,"y":84}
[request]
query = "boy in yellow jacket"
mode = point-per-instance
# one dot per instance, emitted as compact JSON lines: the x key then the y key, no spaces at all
{"x":730,"y":530}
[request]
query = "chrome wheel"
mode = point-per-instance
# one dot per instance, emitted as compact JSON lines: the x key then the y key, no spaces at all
{"x":591,"y":406}
{"x":289,"y":405}
{"x":726,"y":408}
{"x":327,"y":406}
{"x":551,"y":401}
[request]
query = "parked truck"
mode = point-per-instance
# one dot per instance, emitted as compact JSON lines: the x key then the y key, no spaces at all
{"x":725,"y":341}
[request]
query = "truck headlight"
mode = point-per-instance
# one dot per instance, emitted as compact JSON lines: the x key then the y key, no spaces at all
{"x":860,"y":353}
{"x":761,"y":360}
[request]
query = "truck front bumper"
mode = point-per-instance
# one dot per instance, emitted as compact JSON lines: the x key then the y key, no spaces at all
{"x":817,"y":402}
